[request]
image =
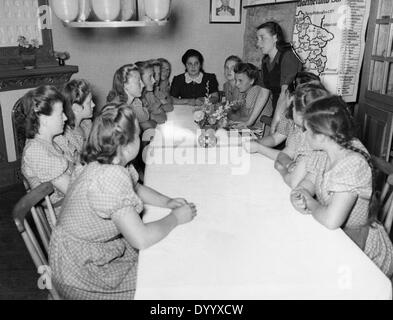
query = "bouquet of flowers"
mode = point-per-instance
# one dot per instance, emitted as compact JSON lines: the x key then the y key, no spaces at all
{"x":212,"y":115}
{"x":27,"y":47}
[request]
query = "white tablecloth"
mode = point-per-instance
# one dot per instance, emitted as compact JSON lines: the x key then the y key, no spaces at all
{"x":247,"y":241}
{"x":180,"y":131}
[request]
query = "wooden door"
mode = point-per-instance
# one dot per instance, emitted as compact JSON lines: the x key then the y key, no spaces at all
{"x":377,"y":130}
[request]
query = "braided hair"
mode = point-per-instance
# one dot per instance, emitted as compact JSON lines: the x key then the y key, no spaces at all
{"x":75,"y":91}
{"x":304,"y":95}
{"x":331,"y":117}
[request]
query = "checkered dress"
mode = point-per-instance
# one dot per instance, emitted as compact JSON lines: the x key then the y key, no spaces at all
{"x":72,"y":140}
{"x":353,"y":174}
{"x":246,"y":103}
{"x":43,"y":161}
{"x":89,"y":257}
{"x":296,"y":138}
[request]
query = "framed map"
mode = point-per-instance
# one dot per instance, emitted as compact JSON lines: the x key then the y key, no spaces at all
{"x":330,"y":39}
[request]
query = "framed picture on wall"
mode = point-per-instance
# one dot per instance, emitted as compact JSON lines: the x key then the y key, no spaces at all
{"x":225,"y":11}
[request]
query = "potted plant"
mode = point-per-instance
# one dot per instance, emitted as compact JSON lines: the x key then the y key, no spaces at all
{"x":62,"y":57}
{"x":27,"y":51}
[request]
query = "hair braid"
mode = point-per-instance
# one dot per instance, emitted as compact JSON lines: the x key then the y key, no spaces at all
{"x":374,"y":203}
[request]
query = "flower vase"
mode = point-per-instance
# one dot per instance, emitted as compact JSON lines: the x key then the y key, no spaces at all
{"x":28,"y":57}
{"x":207,"y":138}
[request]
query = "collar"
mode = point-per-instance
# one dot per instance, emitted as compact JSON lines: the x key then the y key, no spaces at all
{"x":196,"y":80}
{"x":275,"y":60}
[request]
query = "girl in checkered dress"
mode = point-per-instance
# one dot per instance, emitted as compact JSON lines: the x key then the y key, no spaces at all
{"x":94,"y":247}
{"x":78,"y":108}
{"x":43,"y":160}
{"x":340,"y":177}
{"x":247,"y":113}
{"x":291,"y":162}
{"x":267,"y":145}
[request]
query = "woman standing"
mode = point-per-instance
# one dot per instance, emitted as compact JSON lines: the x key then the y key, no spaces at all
{"x":195,"y":84}
{"x":279,"y":68}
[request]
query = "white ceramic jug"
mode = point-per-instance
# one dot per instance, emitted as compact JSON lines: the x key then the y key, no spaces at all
{"x":106,"y":10}
{"x":66,"y":10}
{"x":157,"y":9}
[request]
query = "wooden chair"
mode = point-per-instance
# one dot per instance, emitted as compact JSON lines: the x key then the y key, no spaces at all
{"x":385,"y":178}
{"x":30,"y":204}
{"x":18,"y":125}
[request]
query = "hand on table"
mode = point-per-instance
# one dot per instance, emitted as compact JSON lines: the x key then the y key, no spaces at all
{"x":199,"y":101}
{"x":176,"y":203}
{"x":299,"y":198}
{"x":251,"y":146}
{"x":238,"y":125}
{"x":185,"y":213}
{"x":291,"y":166}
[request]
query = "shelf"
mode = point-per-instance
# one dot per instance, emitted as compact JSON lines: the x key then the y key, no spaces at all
{"x":114,"y":24}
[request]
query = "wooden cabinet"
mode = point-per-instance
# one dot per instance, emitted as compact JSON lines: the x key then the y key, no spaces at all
{"x":376,"y":95}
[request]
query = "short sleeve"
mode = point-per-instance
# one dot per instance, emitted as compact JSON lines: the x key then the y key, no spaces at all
{"x":283,"y":126}
{"x":175,"y":86}
{"x":86,"y":125}
{"x":44,"y":165}
{"x":290,"y":66}
{"x":112,"y":191}
{"x":316,"y":162}
{"x":352,"y":174}
{"x":133,"y":174}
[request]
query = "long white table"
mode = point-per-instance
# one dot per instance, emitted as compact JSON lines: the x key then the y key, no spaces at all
{"x":247,"y":242}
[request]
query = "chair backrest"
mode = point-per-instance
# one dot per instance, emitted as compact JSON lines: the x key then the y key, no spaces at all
{"x":18,"y":126}
{"x":385,"y":180}
{"x":31,"y":204}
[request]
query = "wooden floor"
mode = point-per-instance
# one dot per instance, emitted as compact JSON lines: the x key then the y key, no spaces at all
{"x":18,"y":277}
